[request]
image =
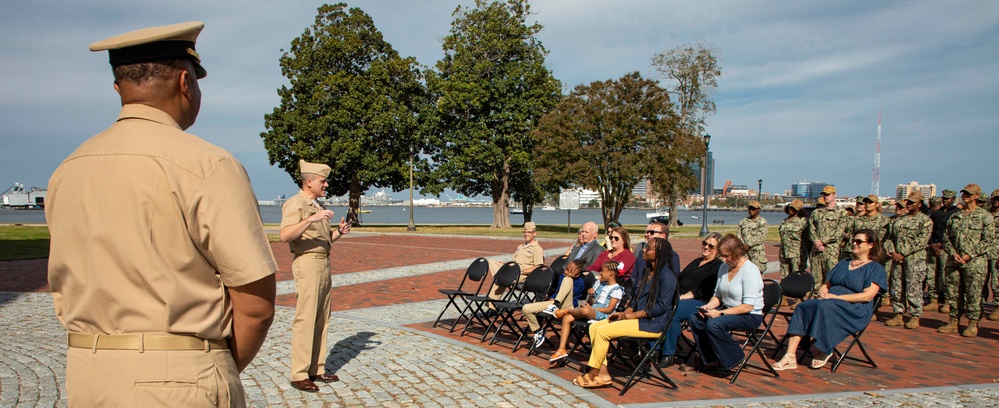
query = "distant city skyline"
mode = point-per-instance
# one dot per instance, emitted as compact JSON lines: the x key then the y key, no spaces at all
{"x":798,"y":99}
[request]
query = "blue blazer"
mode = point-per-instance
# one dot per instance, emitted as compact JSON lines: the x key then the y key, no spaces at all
{"x":656,"y":322}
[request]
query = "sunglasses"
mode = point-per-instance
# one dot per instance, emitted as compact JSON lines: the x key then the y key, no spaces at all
{"x":615,"y":238}
{"x":652,"y":232}
{"x":859,"y":241}
{"x":705,"y":244}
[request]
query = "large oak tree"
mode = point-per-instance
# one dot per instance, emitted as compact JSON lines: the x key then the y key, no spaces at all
{"x":491,"y":87}
{"x":352,"y":103}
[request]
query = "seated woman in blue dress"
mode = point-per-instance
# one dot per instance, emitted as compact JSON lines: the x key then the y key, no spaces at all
{"x":736,"y":304}
{"x":843,"y":304}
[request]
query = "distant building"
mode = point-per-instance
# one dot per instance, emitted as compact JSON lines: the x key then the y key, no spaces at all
{"x":695,"y":169}
{"x":641,"y":189}
{"x":903,"y":190}
{"x":808,"y":190}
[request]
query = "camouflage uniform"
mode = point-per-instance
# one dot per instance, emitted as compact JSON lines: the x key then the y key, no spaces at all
{"x":993,"y":263}
{"x":792,"y":250}
{"x":753,"y":231}
{"x":967,"y":234}
{"x":825,"y":224}
{"x":909,"y":236}
{"x":879,"y":223}
{"x":936,"y":265}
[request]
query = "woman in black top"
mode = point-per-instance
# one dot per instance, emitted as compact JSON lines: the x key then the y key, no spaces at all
{"x":696,"y":285}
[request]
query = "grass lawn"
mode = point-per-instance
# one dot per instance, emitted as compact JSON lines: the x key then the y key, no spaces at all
{"x":23,"y":242}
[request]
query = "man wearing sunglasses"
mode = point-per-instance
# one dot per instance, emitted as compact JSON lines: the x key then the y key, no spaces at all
{"x":966,"y":244}
{"x":657,"y":228}
{"x":909,"y":238}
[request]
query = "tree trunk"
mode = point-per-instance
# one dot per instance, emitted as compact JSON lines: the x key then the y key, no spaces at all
{"x":673,"y":216}
{"x":528,"y":211}
{"x":501,"y":198}
{"x":354,"y":203}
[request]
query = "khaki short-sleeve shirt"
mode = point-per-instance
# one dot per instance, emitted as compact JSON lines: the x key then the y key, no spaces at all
{"x":148,"y":225}
{"x":529,"y":256}
{"x":317,"y":237}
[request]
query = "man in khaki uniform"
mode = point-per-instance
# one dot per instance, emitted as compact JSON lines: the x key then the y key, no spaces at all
{"x":159,"y":265}
{"x":529,"y":256}
{"x":305,"y":226}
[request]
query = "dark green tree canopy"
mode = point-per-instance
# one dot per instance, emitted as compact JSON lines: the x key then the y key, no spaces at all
{"x":352,"y":102}
{"x":491,"y":88}
{"x":607,"y":136}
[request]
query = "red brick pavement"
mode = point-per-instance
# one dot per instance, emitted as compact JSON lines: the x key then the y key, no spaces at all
{"x":907,"y":358}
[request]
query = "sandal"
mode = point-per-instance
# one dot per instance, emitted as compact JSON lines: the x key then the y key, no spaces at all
{"x":597,"y":383}
{"x":818,"y":363}
{"x":559,"y":313}
{"x":786,"y":363}
{"x":580,"y":381}
{"x":558,"y":356}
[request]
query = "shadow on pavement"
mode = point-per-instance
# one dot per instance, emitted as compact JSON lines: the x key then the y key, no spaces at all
{"x":349,"y":348}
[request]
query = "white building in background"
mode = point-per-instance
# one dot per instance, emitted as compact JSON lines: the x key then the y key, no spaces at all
{"x":903,"y":190}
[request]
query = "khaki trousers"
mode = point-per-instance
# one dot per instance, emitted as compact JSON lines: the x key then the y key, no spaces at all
{"x":152,"y":378}
{"x":563,"y":296}
{"x":603,"y":331}
{"x":312,"y":315}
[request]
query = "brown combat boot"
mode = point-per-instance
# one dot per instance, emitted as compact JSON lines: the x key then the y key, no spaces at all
{"x":950,"y":327}
{"x":933,"y":305}
{"x":971,"y":330}
{"x":994,"y":315}
{"x":913,"y":323}
{"x":944,"y":308}
{"x":895,"y":321}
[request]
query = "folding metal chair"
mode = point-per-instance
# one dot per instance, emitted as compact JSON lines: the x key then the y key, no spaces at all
{"x":650,"y":353}
{"x":475,"y":272}
{"x":856,"y":340}
{"x":797,"y":285}
{"x":535,"y":288}
{"x":548,"y":321}
{"x":581,"y":329}
{"x":772,"y":296}
{"x":505,"y":278}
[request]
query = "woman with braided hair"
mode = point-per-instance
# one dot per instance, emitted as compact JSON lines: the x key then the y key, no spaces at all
{"x":645,"y":316}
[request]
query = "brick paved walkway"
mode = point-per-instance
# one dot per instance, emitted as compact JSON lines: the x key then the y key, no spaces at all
{"x":385,"y":292}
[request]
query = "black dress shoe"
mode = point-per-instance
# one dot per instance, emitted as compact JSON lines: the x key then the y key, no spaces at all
{"x":305,"y":385}
{"x":666,"y":362}
{"x":326,"y":378}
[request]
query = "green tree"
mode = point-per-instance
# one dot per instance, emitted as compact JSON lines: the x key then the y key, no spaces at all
{"x":352,"y":103}
{"x":690,"y":73}
{"x":607,"y":136}
{"x":491,"y":87}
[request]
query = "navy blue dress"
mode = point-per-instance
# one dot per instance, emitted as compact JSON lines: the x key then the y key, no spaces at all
{"x":830,"y":321}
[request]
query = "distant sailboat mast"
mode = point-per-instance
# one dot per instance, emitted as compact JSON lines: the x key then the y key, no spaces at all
{"x":876,"y":183}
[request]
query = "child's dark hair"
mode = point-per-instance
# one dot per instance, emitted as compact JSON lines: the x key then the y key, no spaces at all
{"x":580,"y":264}
{"x":612,"y":265}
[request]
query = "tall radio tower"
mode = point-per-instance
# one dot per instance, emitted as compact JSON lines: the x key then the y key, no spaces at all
{"x":876,"y":184}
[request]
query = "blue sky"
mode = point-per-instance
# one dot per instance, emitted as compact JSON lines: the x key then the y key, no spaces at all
{"x":798,"y":99}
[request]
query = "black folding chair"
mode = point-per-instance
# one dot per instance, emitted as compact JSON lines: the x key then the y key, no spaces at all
{"x":647,"y":353}
{"x":535,"y":288}
{"x":474,"y":273}
{"x":580,"y":330}
{"x":797,"y":285}
{"x":505,"y":278}
{"x":772,"y":296}
{"x":548,"y":321}
{"x":856,"y":340}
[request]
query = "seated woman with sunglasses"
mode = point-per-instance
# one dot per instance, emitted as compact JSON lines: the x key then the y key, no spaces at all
{"x":620,"y":251}
{"x":843,"y":304}
{"x":645,"y":316}
{"x":696,"y":284}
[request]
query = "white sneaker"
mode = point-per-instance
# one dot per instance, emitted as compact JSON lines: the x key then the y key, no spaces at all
{"x":550,"y":310}
{"x":539,"y":338}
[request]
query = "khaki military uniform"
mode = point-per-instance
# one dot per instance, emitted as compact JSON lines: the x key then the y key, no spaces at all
{"x":149,"y":226}
{"x":909,"y":237}
{"x":792,"y":251}
{"x":527,"y":257}
{"x":825,"y":224}
{"x":967,"y":234}
{"x":311,"y":269}
{"x":753,"y":231}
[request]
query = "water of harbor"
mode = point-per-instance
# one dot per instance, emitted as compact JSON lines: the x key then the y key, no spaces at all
{"x":271,"y":214}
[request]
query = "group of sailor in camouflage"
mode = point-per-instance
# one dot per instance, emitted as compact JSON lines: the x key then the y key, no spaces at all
{"x":967,"y":241}
{"x":753,"y":231}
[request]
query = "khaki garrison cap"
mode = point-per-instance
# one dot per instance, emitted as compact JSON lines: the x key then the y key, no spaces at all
{"x":154,"y":44}
{"x":828,"y":190}
{"x":530,"y":225}
{"x":314,"y":168}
